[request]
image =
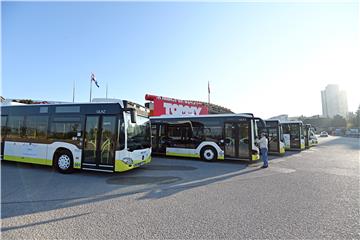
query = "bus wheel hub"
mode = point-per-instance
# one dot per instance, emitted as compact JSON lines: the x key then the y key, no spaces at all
{"x":208,"y":154}
{"x":64,"y":162}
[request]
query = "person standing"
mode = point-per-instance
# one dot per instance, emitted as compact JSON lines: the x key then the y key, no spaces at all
{"x":263,"y":145}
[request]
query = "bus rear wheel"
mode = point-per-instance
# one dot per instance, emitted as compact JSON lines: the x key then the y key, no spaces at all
{"x":64,"y":162}
{"x":208,"y":154}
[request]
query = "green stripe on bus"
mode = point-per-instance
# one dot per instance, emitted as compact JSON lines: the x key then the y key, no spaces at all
{"x":28,"y":160}
{"x":182,"y":154}
{"x":77,"y":165}
{"x":255,"y":157}
{"x":282,"y":150}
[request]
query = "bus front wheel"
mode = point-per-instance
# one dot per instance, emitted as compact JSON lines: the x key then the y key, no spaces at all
{"x":208,"y":154}
{"x":64,"y":162}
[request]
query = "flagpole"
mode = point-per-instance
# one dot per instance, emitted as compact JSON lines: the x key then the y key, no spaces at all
{"x":208,"y":92}
{"x":74,"y":91}
{"x":90,"y":88}
{"x":106,"y":90}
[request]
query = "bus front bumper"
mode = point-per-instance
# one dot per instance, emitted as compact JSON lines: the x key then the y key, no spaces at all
{"x":121,"y":166}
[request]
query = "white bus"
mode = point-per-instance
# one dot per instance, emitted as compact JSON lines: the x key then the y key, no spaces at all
{"x":108,"y":137}
{"x":275,"y":136}
{"x":209,"y":137}
{"x":293,"y":135}
{"x":310,"y":137}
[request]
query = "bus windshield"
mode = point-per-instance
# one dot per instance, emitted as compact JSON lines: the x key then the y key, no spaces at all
{"x":138,"y":134}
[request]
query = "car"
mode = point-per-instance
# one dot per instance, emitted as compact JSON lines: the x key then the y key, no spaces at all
{"x":324,"y":134}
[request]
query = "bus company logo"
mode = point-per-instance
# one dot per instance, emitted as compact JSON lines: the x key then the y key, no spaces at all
{"x":171,"y":106}
{"x":178,"y":109}
{"x":101,"y":111}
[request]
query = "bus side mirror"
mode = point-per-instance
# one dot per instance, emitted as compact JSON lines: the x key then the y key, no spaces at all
{"x":133,"y":115}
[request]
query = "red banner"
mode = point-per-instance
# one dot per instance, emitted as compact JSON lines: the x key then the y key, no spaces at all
{"x":171,"y":106}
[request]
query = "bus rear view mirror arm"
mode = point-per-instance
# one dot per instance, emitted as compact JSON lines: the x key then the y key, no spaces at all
{"x":132,"y":114}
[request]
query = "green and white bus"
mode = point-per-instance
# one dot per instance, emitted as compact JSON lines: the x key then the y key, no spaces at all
{"x":209,"y":137}
{"x":310,"y":137}
{"x":275,"y":136}
{"x":293,"y":135}
{"x":108,"y":137}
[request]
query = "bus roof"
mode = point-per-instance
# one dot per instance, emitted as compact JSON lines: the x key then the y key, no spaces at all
{"x":202,"y":116}
{"x":292,"y":121}
{"x":62,"y":104}
{"x":74,"y":108}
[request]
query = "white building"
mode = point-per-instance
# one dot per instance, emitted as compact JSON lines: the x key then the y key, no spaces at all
{"x":334,"y":101}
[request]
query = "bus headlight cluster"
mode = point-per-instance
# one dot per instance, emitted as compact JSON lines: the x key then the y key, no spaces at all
{"x":127,"y":160}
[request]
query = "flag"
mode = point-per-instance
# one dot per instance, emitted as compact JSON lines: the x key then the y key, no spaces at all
{"x":94,"y":79}
{"x":208,"y":87}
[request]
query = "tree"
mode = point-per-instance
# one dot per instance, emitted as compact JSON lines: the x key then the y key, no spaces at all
{"x":351,"y":120}
{"x":338,"y":122}
{"x":26,"y":101}
{"x":356,"y":119}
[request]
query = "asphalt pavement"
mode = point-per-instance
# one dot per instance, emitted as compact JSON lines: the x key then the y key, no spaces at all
{"x":313,"y":194}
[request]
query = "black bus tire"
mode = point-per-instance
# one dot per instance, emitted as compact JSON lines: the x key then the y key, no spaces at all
{"x":208,"y":154}
{"x":64,"y":161}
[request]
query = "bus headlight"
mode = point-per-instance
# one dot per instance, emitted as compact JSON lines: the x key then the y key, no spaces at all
{"x":128,"y":161}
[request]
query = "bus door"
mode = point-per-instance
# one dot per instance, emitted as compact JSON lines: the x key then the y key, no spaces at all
{"x":99,"y":142}
{"x":307,"y":136}
{"x":158,"y":138}
{"x":3,"y":134}
{"x":237,"y":140}
{"x":295,"y":136}
{"x":155,"y":137}
{"x":274,"y":141}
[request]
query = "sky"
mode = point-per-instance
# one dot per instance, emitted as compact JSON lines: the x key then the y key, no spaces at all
{"x":265,"y":58}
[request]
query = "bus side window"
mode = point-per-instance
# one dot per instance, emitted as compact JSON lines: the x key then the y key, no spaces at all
{"x":199,"y":132}
{"x":15,"y":128}
{"x":186,"y":133}
{"x":65,"y":130}
{"x":36,"y":127}
{"x":174,"y":132}
{"x":3,"y":127}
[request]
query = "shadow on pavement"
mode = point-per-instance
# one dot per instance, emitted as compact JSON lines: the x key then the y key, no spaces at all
{"x":167,"y":191}
{"x":28,"y":189}
{"x":4,"y":229}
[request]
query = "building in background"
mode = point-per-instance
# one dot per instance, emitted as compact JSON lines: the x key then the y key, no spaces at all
{"x":283,"y":117}
{"x":334,"y":101}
